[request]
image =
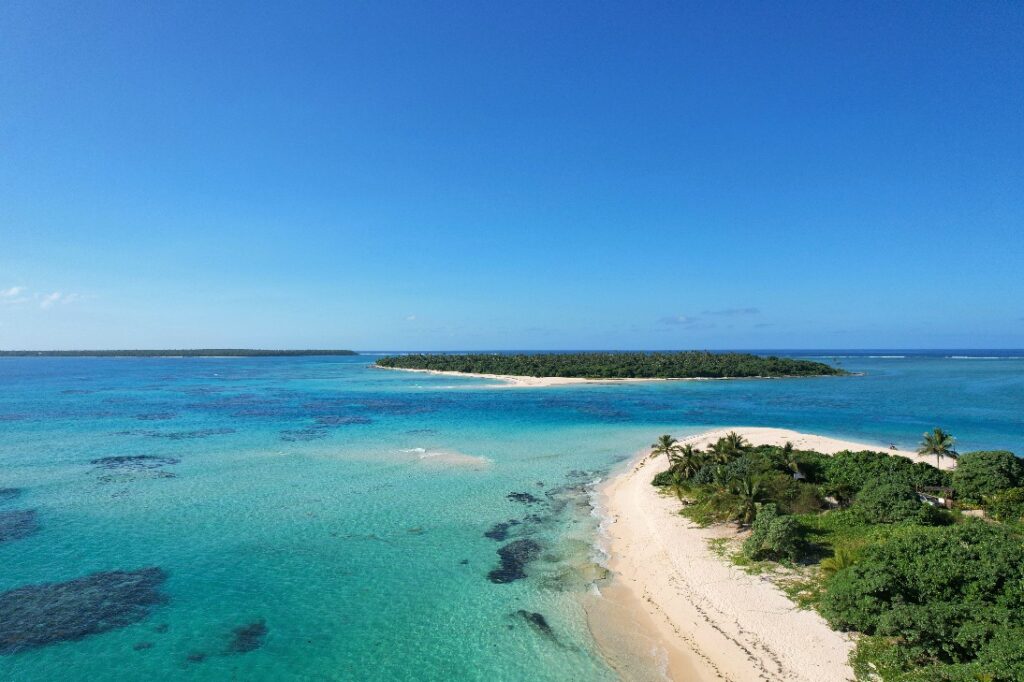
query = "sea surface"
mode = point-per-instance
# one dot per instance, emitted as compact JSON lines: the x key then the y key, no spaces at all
{"x":316,"y":518}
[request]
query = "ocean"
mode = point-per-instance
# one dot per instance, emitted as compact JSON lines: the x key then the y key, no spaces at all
{"x":315,"y":518}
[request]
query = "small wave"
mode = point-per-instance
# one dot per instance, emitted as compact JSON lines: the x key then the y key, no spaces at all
{"x":888,"y":357}
{"x":976,"y":357}
{"x":418,"y":450}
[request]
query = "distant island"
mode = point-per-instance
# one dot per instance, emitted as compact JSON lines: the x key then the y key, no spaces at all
{"x":185,"y":353}
{"x":612,"y":365}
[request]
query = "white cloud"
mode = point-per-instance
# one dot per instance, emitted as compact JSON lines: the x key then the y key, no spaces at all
{"x":12,"y":292}
{"x":410,"y":318}
{"x":48,"y":300}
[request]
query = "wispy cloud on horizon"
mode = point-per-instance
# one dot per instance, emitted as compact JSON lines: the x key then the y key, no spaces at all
{"x":698,"y":321}
{"x":18,"y":294}
{"x":678,"y":320}
{"x":11,"y":292}
{"x":733,"y":312}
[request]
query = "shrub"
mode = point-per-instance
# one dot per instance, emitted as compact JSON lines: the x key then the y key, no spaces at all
{"x":888,"y":502}
{"x":1007,"y":506}
{"x":662,"y":478}
{"x":847,"y":472}
{"x":773,"y":536}
{"x":987,"y":472}
{"x":945,"y":595}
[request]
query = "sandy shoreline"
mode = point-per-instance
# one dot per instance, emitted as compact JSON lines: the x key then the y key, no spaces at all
{"x":513,"y":381}
{"x":702,"y":617}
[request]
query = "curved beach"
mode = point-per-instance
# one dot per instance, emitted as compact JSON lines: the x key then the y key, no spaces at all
{"x":702,"y":617}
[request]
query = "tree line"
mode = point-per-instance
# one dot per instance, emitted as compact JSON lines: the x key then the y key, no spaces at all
{"x":674,"y":365}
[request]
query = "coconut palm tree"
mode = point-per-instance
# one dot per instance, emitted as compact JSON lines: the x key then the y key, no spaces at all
{"x":687,"y":461}
{"x":842,"y":558}
{"x":729,"y":447}
{"x":665,"y":445}
{"x":938,"y":443}
{"x":677,"y":485}
{"x":748,"y":494}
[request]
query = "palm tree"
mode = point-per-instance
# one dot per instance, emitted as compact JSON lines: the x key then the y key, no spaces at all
{"x":688,"y":461}
{"x":938,"y":443}
{"x":790,"y":460}
{"x":748,"y":494}
{"x":729,"y":447}
{"x":842,"y":558}
{"x":666,"y":445}
{"x":677,"y":486}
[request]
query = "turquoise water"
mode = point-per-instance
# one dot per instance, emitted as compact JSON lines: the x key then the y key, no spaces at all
{"x":345,"y":507}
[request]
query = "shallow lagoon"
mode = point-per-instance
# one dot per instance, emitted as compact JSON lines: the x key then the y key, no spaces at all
{"x":333,"y":516}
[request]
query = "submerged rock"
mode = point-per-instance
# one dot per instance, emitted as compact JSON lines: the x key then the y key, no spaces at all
{"x":248,"y":637}
{"x":335,"y":420}
{"x":134,"y":462}
{"x":514,"y":558}
{"x":499,"y":531}
{"x":196,"y":657}
{"x":142,"y":646}
{"x":538,"y":622}
{"x":7,"y":494}
{"x":17,"y":524}
{"x":37,"y":615}
{"x":525,"y":498}
{"x":303,"y":435}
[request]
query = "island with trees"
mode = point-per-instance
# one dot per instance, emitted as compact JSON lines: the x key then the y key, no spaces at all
{"x":615,"y":365}
{"x":183,"y":353}
{"x":925,"y":564}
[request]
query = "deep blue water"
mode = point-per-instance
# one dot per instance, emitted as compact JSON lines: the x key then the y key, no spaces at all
{"x":334,"y":514}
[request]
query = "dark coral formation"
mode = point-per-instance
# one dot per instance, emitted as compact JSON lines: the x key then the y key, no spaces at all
{"x":538,"y":622}
{"x":134,"y":462}
{"x":155,"y":416}
{"x":336,"y":420}
{"x":303,"y":435}
{"x":17,"y":524}
{"x":8,"y":494}
{"x":248,"y":637}
{"x":37,"y":615}
{"x":525,"y":498}
{"x":499,"y":531}
{"x":176,"y":435}
{"x":514,"y":558}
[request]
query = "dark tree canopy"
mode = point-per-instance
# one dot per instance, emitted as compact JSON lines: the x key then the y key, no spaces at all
{"x":950,"y":595}
{"x":980,"y":474}
{"x":675,"y":365}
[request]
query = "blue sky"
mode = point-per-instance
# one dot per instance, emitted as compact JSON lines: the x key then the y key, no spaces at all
{"x":512,"y":175}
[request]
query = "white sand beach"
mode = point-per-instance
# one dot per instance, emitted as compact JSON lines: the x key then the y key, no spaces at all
{"x":713,"y":620}
{"x":514,"y":381}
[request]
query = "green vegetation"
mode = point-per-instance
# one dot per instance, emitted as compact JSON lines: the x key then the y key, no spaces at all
{"x":938,"y":443}
{"x":186,"y":353}
{"x":679,"y":365}
{"x":981,"y":474}
{"x":935,"y":594}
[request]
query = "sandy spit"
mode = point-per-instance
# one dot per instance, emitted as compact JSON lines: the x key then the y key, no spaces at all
{"x":708,"y":619}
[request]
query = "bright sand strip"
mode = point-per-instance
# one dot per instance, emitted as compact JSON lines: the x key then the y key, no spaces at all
{"x":712,"y":620}
{"x":512,"y":381}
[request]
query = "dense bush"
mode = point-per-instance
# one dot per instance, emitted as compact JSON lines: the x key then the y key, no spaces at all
{"x":847,"y":472}
{"x":1007,"y":506}
{"x":950,"y":595}
{"x":983,"y":473}
{"x":773,"y":536}
{"x":662,"y":478}
{"x":887,"y":502}
{"x":692,"y":364}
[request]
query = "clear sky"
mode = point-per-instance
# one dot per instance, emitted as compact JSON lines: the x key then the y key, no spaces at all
{"x":438,"y":175}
